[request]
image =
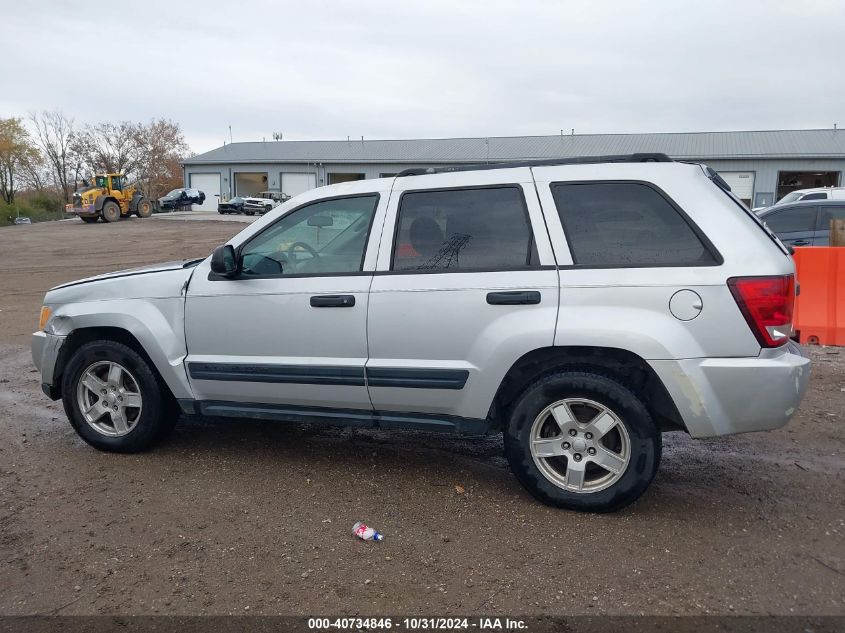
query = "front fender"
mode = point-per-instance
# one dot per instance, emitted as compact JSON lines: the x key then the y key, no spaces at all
{"x":157,"y":324}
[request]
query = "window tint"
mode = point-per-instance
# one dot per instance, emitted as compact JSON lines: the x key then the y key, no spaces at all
{"x":792,"y":220}
{"x":830,"y":213}
{"x":626,"y":224}
{"x":463,"y":229}
{"x":322,"y":238}
{"x":814,"y":196}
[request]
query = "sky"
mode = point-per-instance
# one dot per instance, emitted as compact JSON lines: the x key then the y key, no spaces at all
{"x":433,"y":69}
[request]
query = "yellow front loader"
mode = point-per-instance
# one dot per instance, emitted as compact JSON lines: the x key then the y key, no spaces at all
{"x":110,"y":198}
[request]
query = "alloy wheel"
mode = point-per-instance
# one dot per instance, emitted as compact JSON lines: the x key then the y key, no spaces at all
{"x":580,"y":445}
{"x":109,"y":398}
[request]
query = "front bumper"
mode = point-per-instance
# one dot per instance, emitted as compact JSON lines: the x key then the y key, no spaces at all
{"x":84,"y":210}
{"x":722,"y":396}
{"x":45,"y":354}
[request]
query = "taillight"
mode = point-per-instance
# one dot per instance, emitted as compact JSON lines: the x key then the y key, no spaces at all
{"x":766,"y":303}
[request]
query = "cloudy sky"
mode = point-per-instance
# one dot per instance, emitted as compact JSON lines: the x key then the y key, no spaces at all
{"x":324,"y":70}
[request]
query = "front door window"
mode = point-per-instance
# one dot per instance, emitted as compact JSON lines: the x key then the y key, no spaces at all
{"x":323,"y":238}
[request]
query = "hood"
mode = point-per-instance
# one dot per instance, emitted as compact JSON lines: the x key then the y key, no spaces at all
{"x":157,"y":281}
{"x":82,"y":190}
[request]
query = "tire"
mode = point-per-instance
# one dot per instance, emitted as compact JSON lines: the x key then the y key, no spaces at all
{"x":268,"y":208}
{"x":134,"y":429}
{"x":598,"y":421}
{"x":144,"y":208}
{"x":249,"y":212}
{"x":89,"y":220}
{"x":111,"y":211}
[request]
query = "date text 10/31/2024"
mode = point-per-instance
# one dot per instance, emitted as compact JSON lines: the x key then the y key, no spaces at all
{"x":418,"y":624}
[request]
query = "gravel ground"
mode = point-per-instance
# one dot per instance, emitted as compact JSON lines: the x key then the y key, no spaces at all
{"x":252,"y":517}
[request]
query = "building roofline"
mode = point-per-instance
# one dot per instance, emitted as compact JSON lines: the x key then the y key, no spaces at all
{"x":818,"y":143}
{"x":513,"y":136}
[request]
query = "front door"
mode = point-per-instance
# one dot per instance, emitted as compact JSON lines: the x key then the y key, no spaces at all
{"x":465,"y":286}
{"x":291,"y":327}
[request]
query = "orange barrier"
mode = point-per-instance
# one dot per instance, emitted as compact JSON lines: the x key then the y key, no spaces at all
{"x":819,"y":317}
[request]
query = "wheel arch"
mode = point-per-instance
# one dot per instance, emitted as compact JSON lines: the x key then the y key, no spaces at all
{"x":620,"y":364}
{"x":82,"y":336}
{"x":101,"y":200}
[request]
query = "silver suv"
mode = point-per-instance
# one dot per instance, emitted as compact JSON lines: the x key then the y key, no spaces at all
{"x":582,"y":307}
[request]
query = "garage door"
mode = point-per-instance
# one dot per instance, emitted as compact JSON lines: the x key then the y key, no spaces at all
{"x":210,"y":185}
{"x":742,"y":184}
{"x":295,"y":184}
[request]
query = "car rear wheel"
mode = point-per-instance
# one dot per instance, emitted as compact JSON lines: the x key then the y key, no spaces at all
{"x":111,"y":211}
{"x":583,"y":441}
{"x":114,"y":400}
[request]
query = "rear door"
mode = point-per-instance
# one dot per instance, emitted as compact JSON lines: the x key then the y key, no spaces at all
{"x":465,"y":284}
{"x":795,"y":226}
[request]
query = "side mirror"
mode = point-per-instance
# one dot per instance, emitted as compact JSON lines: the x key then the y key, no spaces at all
{"x":224,"y":262}
{"x":320,"y":221}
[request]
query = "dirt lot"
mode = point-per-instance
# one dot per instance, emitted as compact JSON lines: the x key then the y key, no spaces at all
{"x":249,"y":517}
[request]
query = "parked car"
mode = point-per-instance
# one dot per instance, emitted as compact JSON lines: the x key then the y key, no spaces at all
{"x":262,"y":203}
{"x":22,"y":220}
{"x":233,"y":205}
{"x":818,"y":193}
{"x":277,"y":196}
{"x":582,"y":307}
{"x":805,"y":223}
{"x":181,"y":198}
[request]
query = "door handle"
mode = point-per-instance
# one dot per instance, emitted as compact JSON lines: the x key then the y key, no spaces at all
{"x":513,"y":298}
{"x":801,"y":243}
{"x":333,"y":301}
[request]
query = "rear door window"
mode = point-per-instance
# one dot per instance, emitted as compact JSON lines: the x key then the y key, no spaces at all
{"x":829,"y":213}
{"x":795,"y":220}
{"x":463,"y":229}
{"x":627,"y":224}
{"x":814,"y":196}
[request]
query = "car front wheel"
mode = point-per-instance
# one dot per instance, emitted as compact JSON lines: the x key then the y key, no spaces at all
{"x":114,"y":400}
{"x":583,"y":441}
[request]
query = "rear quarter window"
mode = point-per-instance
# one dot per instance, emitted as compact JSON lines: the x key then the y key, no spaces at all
{"x":628,"y":224}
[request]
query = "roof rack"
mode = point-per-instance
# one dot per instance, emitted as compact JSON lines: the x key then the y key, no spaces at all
{"x":575,"y":160}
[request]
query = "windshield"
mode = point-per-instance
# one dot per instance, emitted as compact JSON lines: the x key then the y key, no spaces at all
{"x":173,"y":193}
{"x":790,"y":197}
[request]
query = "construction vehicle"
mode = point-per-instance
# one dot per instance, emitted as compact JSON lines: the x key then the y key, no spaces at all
{"x":110,"y":198}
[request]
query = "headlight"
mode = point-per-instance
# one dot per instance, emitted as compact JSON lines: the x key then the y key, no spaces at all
{"x":45,"y":316}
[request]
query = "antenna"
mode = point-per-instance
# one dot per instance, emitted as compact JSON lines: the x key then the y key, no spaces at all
{"x":230,"y":133}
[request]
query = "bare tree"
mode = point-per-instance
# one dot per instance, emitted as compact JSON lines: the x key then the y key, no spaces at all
{"x":36,"y":174}
{"x":109,"y":147}
{"x":17,"y":155}
{"x":54,"y":134}
{"x":161,"y":147}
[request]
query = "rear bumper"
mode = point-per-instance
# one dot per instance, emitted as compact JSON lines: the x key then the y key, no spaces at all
{"x":722,"y":396}
{"x":45,"y":353}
